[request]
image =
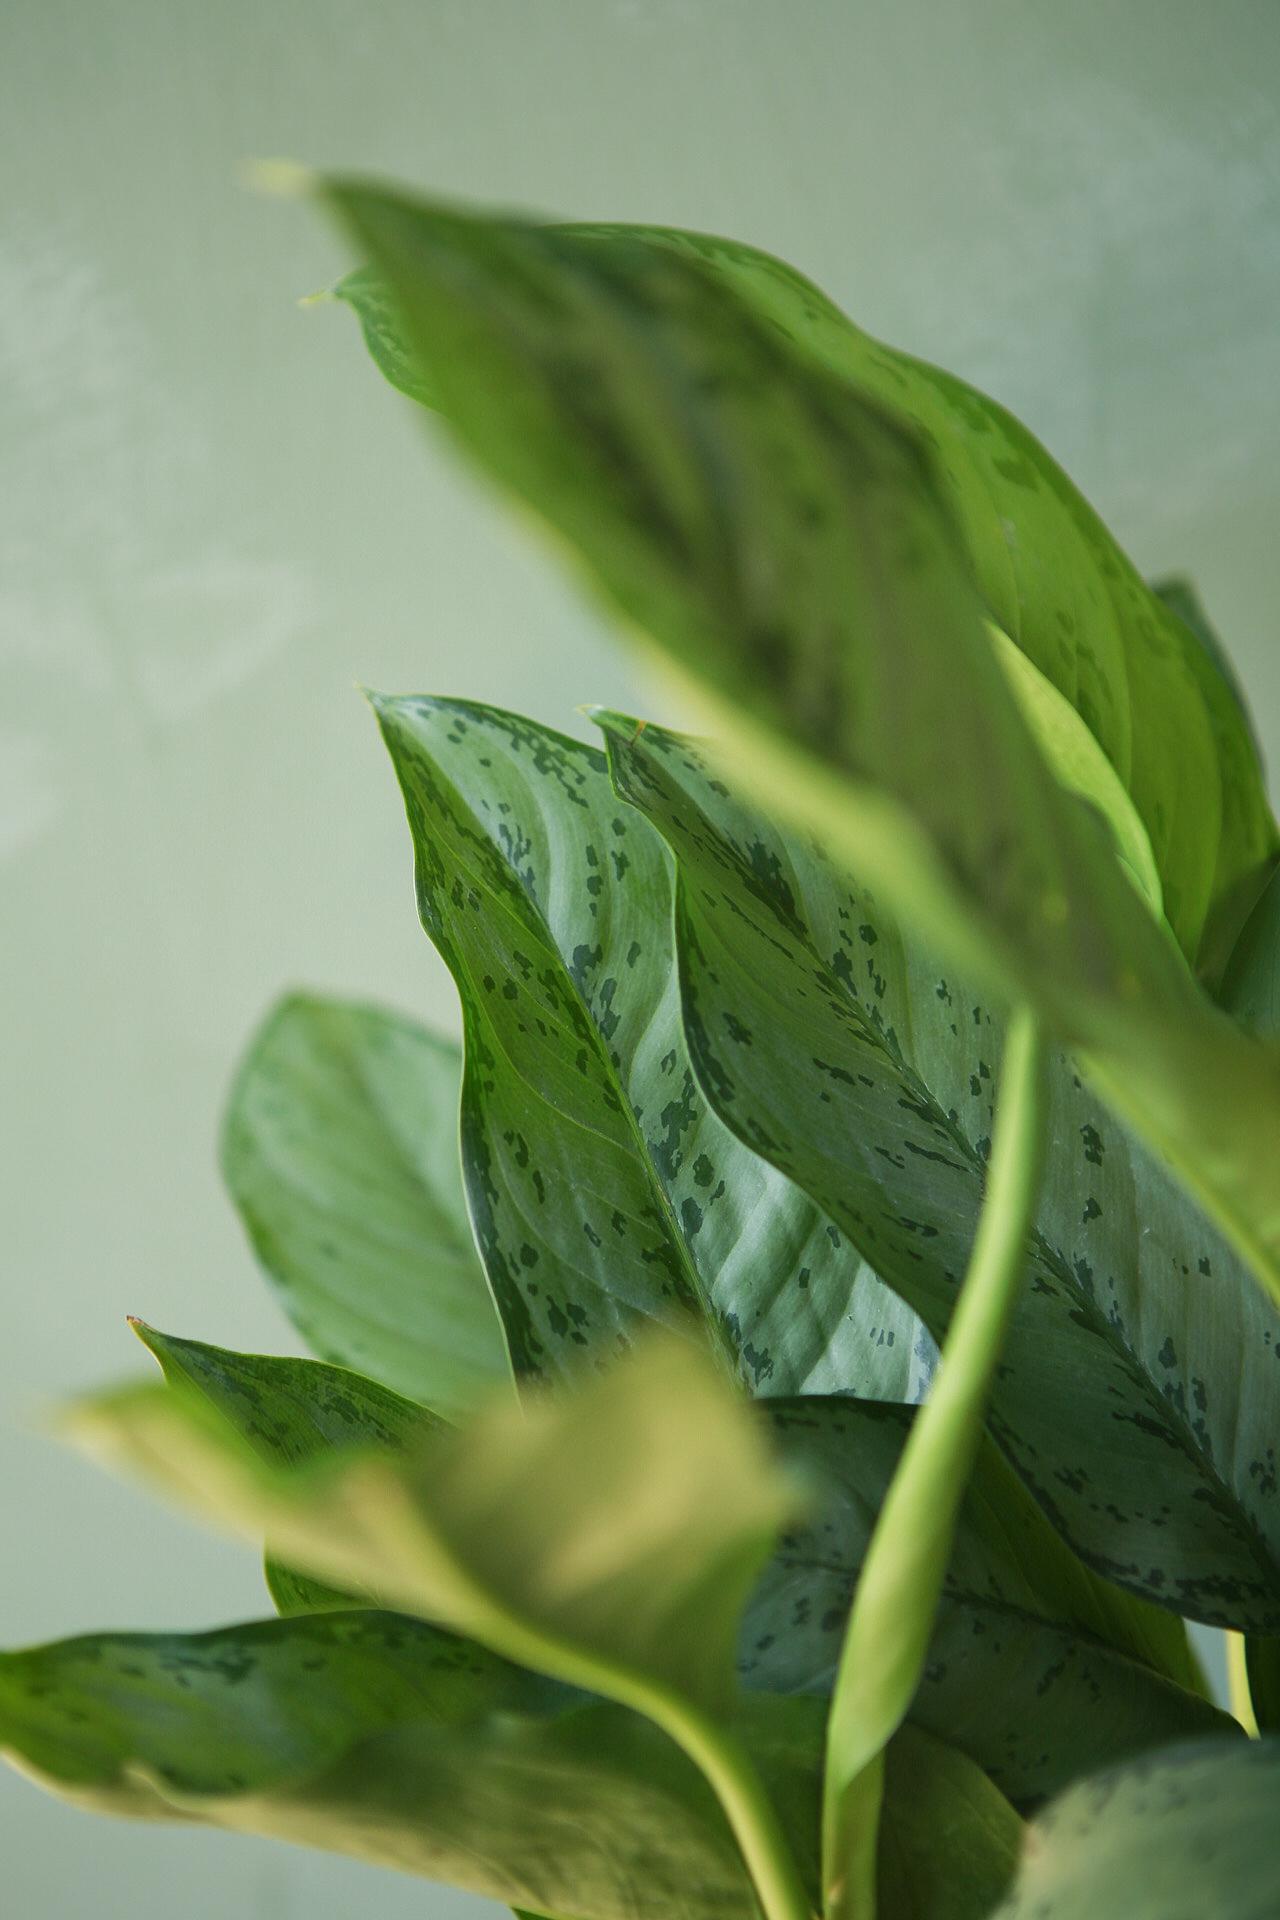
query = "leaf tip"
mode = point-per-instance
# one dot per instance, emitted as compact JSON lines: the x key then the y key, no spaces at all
{"x":282,"y":179}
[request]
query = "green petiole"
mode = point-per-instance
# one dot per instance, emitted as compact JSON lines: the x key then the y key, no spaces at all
{"x":891,"y":1621}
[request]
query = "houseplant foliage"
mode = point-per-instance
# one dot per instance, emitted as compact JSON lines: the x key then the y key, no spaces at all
{"x":767,"y":1469}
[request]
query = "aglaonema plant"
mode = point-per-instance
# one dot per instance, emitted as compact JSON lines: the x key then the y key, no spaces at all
{"x":768,"y":1469}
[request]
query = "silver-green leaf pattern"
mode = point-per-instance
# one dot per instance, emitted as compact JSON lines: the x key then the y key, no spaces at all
{"x":1184,"y":1835}
{"x":606,"y":1194}
{"x":1138,"y":1389}
{"x":787,"y":542}
{"x":340,"y":1149}
{"x":1039,"y":1670}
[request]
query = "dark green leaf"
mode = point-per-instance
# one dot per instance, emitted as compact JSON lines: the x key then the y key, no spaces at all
{"x":789,"y":544}
{"x":605,"y":1192}
{"x":1038,"y":1670}
{"x":1251,"y":989}
{"x":1262,"y":1659}
{"x":949,"y":1842}
{"x":340,"y":1149}
{"x":1138,"y":1399}
{"x":374,"y":1735}
{"x":1185,"y":1835}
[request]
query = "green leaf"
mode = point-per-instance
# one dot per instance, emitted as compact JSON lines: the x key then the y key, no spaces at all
{"x":895,"y":1603}
{"x":1184,"y":603}
{"x":289,"y":1412}
{"x":949,"y":1842}
{"x":606,"y":1194}
{"x":1051,"y":576}
{"x":1262,"y":1666}
{"x":1079,"y":762}
{"x":617,"y":1529}
{"x":1054,"y":579}
{"x":382,"y":324}
{"x":608,"y":1538}
{"x":1027,"y":1639}
{"x":791,"y":546}
{"x":1038,"y":1670}
{"x":1138,"y":1400}
{"x":1251,"y":994}
{"x":1182,"y":1835}
{"x":1251,"y":989}
{"x":374,"y":1735}
{"x":340,"y":1150}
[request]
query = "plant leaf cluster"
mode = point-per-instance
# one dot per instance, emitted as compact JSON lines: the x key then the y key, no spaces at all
{"x":785,"y":1379}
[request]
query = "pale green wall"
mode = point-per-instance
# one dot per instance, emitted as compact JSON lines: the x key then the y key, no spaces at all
{"x":213,"y":520}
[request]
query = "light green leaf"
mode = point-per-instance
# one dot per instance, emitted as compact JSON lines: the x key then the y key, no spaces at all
{"x":374,"y":1735}
{"x":791,"y":546}
{"x":1183,"y":1835}
{"x":607,"y":1538}
{"x":1139,"y":1397}
{"x":340,"y":1149}
{"x":1027,"y":1639}
{"x":290,"y":1412}
{"x":616,"y":1528}
{"x":1038,"y":1670}
{"x":1079,"y":762}
{"x":382,"y":324}
{"x":606,"y":1195}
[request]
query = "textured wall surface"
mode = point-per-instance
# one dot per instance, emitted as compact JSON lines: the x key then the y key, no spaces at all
{"x":214,"y":520}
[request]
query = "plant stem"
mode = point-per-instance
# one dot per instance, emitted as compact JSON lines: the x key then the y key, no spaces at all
{"x":892,"y":1618}
{"x":747,"y":1807}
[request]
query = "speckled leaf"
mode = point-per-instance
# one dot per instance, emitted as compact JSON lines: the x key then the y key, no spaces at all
{"x":1053,"y":578}
{"x":1121,"y":653}
{"x":1039,"y":1670}
{"x":291,"y":1411}
{"x":1189,"y":1834}
{"x":605,"y":1193}
{"x":791,"y":546}
{"x":608,"y":1536}
{"x":340,"y":1149}
{"x":374,"y":1735}
{"x":1139,"y":1394}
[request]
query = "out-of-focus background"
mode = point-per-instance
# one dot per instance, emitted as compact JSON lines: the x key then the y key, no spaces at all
{"x":214,"y":520}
